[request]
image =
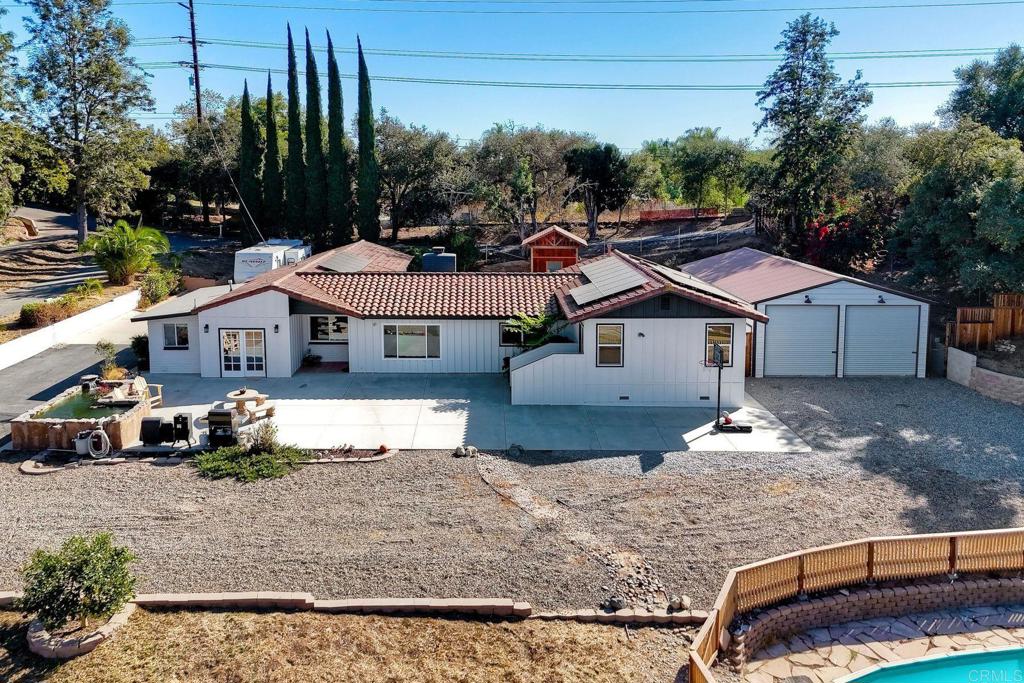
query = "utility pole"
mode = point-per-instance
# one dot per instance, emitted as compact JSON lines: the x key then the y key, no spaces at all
{"x":203,"y":199}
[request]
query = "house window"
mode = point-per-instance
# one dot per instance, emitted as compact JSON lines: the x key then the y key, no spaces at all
{"x":412,"y":341}
{"x":552,"y":266}
{"x":328,"y":329}
{"x":511,"y":336}
{"x":721,"y":335}
{"x":609,"y":346}
{"x":175,"y":336}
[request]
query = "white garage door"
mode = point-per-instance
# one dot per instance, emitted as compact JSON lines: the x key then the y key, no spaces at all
{"x":881,"y":340}
{"x":801,"y":341}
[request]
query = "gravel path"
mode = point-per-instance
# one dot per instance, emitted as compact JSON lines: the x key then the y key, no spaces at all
{"x":890,"y":456}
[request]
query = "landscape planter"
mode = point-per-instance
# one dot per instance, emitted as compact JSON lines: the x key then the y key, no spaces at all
{"x":48,"y":646}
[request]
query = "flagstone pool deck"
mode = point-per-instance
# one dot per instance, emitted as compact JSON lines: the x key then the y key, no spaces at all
{"x":406,"y":411}
{"x":825,"y":655}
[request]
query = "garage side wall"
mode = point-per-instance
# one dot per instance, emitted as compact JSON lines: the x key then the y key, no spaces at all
{"x":261,"y":312}
{"x":843,"y":294}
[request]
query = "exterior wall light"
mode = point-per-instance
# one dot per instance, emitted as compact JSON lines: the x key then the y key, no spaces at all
{"x":277,"y":328}
{"x":206,"y":328}
{"x":881,"y":299}
{"x":807,"y":298}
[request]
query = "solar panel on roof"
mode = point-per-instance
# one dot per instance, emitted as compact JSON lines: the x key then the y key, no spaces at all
{"x":608,"y":277}
{"x":345,"y":263}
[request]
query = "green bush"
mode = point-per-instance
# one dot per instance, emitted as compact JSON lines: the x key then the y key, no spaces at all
{"x":258,"y":456}
{"x":90,"y":287}
{"x":158,"y":284}
{"x":88,"y":577}
{"x":140,"y":346}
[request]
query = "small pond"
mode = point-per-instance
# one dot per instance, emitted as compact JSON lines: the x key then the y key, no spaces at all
{"x":82,"y":406}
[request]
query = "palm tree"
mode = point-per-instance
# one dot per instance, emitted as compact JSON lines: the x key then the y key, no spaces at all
{"x":124,"y":251}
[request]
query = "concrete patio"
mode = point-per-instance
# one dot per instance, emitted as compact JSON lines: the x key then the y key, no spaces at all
{"x":325,"y":409}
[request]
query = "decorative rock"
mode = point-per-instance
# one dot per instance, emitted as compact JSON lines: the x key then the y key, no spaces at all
{"x":472,"y":451}
{"x":614,"y":603}
{"x":460,"y":452}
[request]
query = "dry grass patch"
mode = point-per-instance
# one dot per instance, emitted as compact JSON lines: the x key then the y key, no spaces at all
{"x":300,"y":647}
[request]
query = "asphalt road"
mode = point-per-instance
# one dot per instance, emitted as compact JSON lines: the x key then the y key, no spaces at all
{"x":54,"y":226}
{"x":36,"y":380}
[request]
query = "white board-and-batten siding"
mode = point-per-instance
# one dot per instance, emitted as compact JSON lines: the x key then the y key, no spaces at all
{"x":173,"y":361}
{"x":467,"y":346}
{"x":840,"y":295}
{"x":260,"y":312}
{"x":662,"y":366}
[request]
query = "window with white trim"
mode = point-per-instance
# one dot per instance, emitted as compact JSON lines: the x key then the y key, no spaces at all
{"x":609,"y":346}
{"x":412,"y":341}
{"x":175,"y":336}
{"x":721,"y":335}
{"x":328,"y":329}
{"x":510,"y":336}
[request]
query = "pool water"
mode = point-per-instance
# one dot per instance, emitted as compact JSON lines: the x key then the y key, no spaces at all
{"x":995,"y":666}
{"x":81,"y":406}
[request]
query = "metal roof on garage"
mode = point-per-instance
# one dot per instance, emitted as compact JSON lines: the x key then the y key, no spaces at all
{"x":758,"y":276}
{"x":184,"y":304}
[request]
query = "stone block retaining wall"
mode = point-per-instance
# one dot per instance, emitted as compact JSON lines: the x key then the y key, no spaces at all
{"x":28,"y":433}
{"x":962,"y":368}
{"x":799,"y":616}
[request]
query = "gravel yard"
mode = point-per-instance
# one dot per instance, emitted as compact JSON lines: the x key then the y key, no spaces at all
{"x":891,"y":456}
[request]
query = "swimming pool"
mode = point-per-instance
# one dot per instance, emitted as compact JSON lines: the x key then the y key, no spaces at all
{"x":1005,"y":665}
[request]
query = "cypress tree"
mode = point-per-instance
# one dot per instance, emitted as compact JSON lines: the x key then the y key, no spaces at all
{"x":368,"y":179}
{"x":249,"y":165}
{"x":316,"y":167}
{"x":295,"y":181}
{"x":273,"y":188}
{"x":339,"y":185}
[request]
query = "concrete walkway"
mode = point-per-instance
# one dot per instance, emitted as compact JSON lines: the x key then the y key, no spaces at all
{"x":321,"y":410}
{"x":827,"y":654}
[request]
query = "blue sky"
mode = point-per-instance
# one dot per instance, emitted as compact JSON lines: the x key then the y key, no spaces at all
{"x":623,"y":117}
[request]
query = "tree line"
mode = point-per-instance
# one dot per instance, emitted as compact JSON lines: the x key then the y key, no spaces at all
{"x":823,"y":185}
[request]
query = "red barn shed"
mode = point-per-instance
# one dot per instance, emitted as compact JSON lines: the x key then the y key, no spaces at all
{"x":552,"y":249}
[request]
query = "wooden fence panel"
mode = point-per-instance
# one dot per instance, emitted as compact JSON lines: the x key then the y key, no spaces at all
{"x":911,"y":556}
{"x":1008,"y":301}
{"x":990,"y":552}
{"x":699,"y":671}
{"x":836,"y":566}
{"x":767,"y":582}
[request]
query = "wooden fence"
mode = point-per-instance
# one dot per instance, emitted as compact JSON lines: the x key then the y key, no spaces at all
{"x":978,"y":327}
{"x":848,"y":564}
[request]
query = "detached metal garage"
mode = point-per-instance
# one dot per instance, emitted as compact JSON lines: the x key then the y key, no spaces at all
{"x":820,"y":323}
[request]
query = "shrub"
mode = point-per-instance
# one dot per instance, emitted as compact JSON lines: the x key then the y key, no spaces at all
{"x":259,"y":455}
{"x":158,"y":284}
{"x":90,"y":287}
{"x":140,"y":346}
{"x":109,"y":368}
{"x":86,"y":578}
{"x":43,"y":313}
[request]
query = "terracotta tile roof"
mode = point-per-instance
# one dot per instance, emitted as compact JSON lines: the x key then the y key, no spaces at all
{"x":660,"y":280}
{"x":379,"y":259}
{"x":285,"y":279}
{"x":441,"y":295}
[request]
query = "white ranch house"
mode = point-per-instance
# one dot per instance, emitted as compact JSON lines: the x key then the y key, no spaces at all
{"x":637,"y":333}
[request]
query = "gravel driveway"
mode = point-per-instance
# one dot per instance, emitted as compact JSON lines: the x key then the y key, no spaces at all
{"x":891,"y":456}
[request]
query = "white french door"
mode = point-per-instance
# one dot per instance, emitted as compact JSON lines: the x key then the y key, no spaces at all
{"x":242,"y":353}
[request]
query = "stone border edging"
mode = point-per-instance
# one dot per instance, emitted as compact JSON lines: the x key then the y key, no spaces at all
{"x":627,"y":616}
{"x":40,"y":641}
{"x":37,"y":463}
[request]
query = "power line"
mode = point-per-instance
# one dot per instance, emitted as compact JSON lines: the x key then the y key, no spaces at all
{"x":602,"y":58}
{"x":730,"y":10}
{"x":544,"y":85}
